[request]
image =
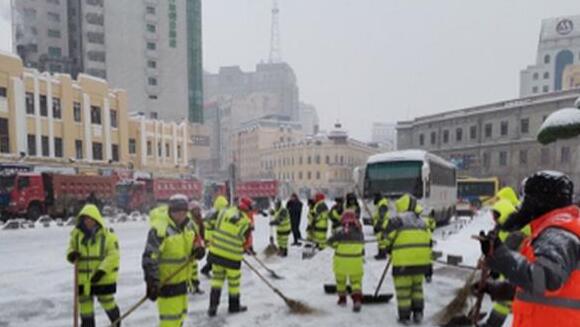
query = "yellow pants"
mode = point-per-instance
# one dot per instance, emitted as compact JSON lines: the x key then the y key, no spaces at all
{"x":341,"y":282}
{"x":409,"y":291}
{"x":221,"y":273}
{"x":172,"y":310}
{"x":87,"y":306}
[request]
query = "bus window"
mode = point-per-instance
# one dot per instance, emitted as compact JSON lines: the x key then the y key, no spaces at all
{"x":394,"y":178}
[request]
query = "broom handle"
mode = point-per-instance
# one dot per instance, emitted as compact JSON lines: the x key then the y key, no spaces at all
{"x":144,"y":298}
{"x":383,"y":277}
{"x":261,"y":263}
{"x":275,"y":290}
{"x":76,"y":296}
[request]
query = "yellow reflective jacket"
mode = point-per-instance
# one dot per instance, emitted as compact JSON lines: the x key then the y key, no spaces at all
{"x":99,"y":251}
{"x":348,"y":252}
{"x":231,"y":231}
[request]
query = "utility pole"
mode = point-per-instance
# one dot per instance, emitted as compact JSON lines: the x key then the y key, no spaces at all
{"x":275,"y":49}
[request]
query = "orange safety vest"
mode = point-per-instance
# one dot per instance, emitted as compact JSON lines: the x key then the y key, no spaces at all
{"x":553,"y":308}
{"x":250,"y":240}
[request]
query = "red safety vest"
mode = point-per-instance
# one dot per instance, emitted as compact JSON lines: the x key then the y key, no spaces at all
{"x":559,"y":308}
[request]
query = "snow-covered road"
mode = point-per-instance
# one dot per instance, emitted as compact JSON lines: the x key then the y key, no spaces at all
{"x":36,"y":283}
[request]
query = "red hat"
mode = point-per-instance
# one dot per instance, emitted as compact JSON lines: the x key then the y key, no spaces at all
{"x":319,"y":197}
{"x":349,"y":219}
{"x":245,"y":204}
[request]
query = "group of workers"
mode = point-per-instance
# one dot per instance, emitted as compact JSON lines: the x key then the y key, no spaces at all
{"x":534,"y":252}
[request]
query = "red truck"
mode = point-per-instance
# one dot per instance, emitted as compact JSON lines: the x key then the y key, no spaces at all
{"x":261,"y":191}
{"x":33,"y":194}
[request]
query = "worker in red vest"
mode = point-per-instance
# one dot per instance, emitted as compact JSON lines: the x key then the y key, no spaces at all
{"x":544,"y":277}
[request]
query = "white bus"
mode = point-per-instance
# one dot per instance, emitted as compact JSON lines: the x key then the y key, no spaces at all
{"x":431,"y":179}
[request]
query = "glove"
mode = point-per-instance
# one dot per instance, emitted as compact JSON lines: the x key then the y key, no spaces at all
{"x":97,"y":276}
{"x":497,"y":290}
{"x":152,"y":290}
{"x":494,"y":275}
{"x":198,"y":252}
{"x":488,"y":242}
{"x":73,"y":256}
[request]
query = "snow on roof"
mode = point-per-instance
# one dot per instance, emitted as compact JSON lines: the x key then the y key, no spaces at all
{"x":562,"y":117}
{"x":408,"y":155}
{"x":91,"y":77}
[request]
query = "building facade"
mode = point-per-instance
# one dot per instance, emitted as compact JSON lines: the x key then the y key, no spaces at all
{"x":309,"y":119}
{"x":571,"y":77}
{"x":322,"y":163}
{"x":559,"y":46}
{"x":497,"y":139}
{"x":150,"y":48}
{"x":255,"y":139}
{"x":385,"y":134}
{"x":51,"y":119}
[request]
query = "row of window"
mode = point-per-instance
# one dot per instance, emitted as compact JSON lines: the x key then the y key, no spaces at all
{"x":58,"y":148}
{"x":545,"y":89}
{"x":546,"y":75}
{"x":4,"y":136}
{"x":309,"y":161}
{"x":545,"y":157}
{"x":77,"y":112}
{"x":133,"y":149}
{"x":487,"y":130}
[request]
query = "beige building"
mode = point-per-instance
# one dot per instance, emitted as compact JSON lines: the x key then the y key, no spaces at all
{"x":571,"y":77}
{"x":54,"y":120}
{"x":257,"y":138}
{"x":322,"y":163}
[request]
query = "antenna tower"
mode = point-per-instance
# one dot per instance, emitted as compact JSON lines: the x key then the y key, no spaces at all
{"x":275,"y":50}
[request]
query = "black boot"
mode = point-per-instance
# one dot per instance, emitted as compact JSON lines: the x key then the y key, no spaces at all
{"x":114,"y":315}
{"x":382,"y":255}
{"x":495,"y":319}
{"x":214,"y":301}
{"x":206,"y":270}
{"x":417,"y":316}
{"x":88,"y":321}
{"x":235,"y":306}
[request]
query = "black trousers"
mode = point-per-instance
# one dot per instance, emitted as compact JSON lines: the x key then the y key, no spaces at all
{"x":295,"y":224}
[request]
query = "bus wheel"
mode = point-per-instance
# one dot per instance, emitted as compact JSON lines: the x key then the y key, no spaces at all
{"x":34,"y":211}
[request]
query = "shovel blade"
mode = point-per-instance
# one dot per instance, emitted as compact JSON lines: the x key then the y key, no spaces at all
{"x":381,"y":298}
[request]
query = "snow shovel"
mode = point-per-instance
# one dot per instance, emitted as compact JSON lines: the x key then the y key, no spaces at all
{"x":271,"y":249}
{"x":144,"y":298}
{"x":76,"y":297}
{"x":272,"y":272}
{"x":296,"y":307}
{"x":379,"y":298}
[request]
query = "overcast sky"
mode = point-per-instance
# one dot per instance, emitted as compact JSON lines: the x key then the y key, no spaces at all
{"x":362,"y":61}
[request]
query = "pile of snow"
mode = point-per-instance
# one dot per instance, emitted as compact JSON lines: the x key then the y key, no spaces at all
{"x":562,"y":124}
{"x":44,"y":221}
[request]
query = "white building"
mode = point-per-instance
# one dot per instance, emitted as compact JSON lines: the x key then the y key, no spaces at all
{"x":385,"y":134}
{"x":309,"y":119}
{"x":559,"y":47}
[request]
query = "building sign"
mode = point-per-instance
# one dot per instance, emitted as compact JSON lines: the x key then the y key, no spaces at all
{"x":200,"y":140}
{"x":172,"y":24}
{"x":564,"y":27}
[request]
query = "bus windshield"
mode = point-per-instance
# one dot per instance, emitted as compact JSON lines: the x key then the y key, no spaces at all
{"x":6,"y":184}
{"x":467,"y":189}
{"x":394,"y":178}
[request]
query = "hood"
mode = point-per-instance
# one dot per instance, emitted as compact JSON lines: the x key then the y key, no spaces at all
{"x":508,"y":193}
{"x":92,"y":211}
{"x":220,"y":203}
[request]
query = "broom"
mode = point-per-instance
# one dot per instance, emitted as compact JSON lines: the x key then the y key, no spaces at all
{"x":296,"y":307}
{"x":459,"y":303}
{"x":271,"y":249}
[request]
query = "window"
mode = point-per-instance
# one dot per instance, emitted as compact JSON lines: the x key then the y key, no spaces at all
{"x":54,"y":33}
{"x":546,"y":75}
{"x":77,"y":111}
{"x":545,"y":88}
{"x":445,"y":136}
{"x":97,"y":151}
{"x":152,"y":64}
{"x":151,"y":10}
{"x":54,"y":52}
{"x":95,"y":115}
{"x":327,"y":161}
{"x":58,"y":147}
{"x":433,"y":138}
{"x":115,"y":152}
{"x":151,"y":28}
{"x":309,"y":161}
{"x":504,"y":128}
{"x":78,"y":149}
{"x":31,"y":145}
{"x":29,"y":12}
{"x":486,"y":160}
{"x":53,"y":17}
{"x":488,"y":130}
{"x":167,"y":150}
{"x":545,"y":156}
{"x":151,"y":46}
{"x":53,"y":68}
{"x":95,"y":19}
{"x":4,"y":136}
{"x":132,"y":146}
{"x":96,"y":37}
{"x":535,"y":89}
{"x":523,"y":157}
{"x":113,"y":114}
{"x":535,"y":76}
{"x":29,"y":103}
{"x":309,"y":175}
{"x":546,"y":59}
{"x":56,"y":109}
{"x":525,"y":125}
{"x":43,"y":106}
{"x":98,"y":3}
{"x":565,"y":154}
{"x":317,"y":175}
{"x":97,"y":56}
{"x":152,"y":81}
{"x":300,"y":175}
{"x":473,"y":132}
{"x":503,"y":158}
{"x":317,"y":159}
{"x":45,"y":146}
{"x":152,"y":97}
{"x":341,"y":160}
{"x":458,"y":135}
{"x":179,"y":151}
{"x":421,"y":139}
{"x":149,"y":148}
{"x":159,"y":149}
{"x":300,"y":160}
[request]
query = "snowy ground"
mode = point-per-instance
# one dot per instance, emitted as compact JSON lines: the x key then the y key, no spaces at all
{"x":36,"y":282}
